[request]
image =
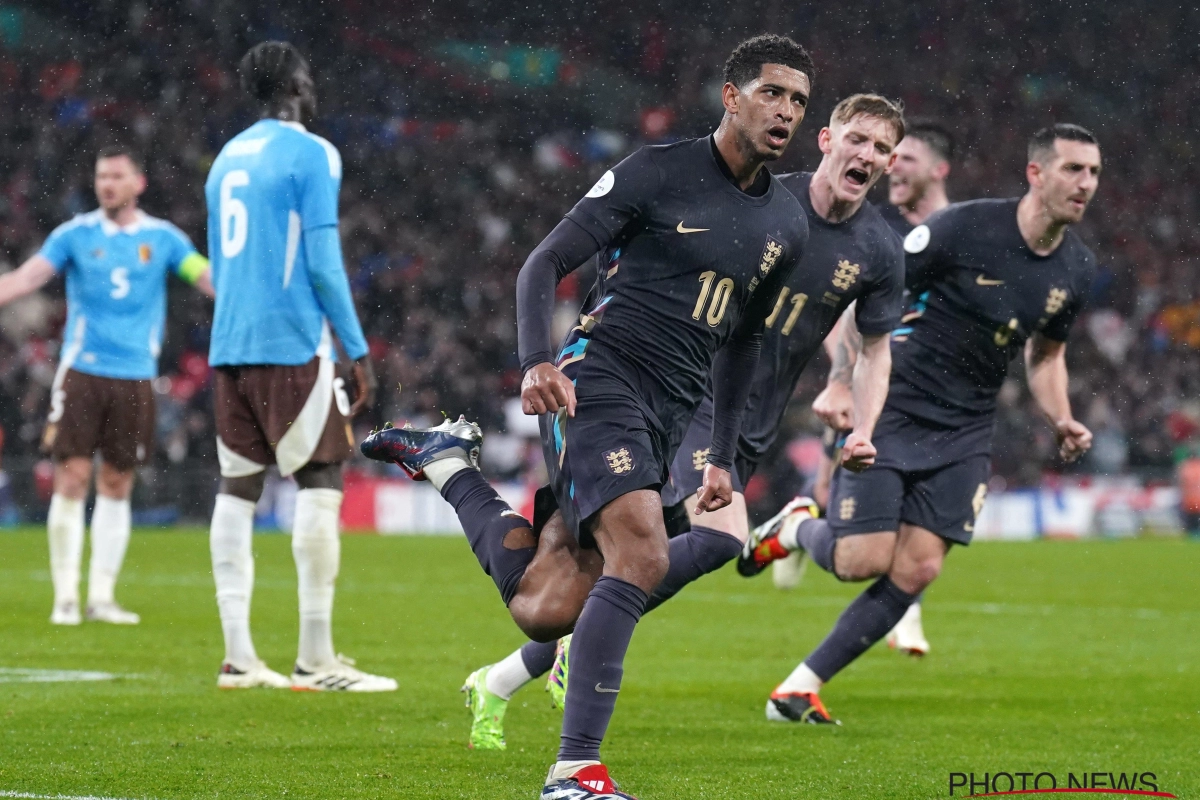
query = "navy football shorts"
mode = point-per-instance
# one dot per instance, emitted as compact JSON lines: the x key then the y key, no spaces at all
{"x":687,"y":469}
{"x":926,"y":474}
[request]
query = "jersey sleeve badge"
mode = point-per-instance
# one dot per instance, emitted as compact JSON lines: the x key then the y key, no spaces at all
{"x":603,"y":186}
{"x":917,"y":239}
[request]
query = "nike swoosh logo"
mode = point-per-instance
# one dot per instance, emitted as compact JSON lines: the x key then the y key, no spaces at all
{"x":679,"y":228}
{"x":982,"y":281}
{"x":600,"y":688}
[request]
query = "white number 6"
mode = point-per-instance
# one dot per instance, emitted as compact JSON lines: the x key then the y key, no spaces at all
{"x":235,"y":221}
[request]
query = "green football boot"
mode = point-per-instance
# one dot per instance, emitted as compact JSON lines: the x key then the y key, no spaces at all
{"x":556,"y":682}
{"x":487,"y":712}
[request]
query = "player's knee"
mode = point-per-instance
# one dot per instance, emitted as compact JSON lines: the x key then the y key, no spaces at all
{"x":544,"y":618}
{"x":914,"y":575}
{"x":320,"y":476}
{"x":247,"y":487}
{"x":71,"y":478}
{"x":861,"y":563}
{"x":113,"y":482}
{"x":644,"y":564}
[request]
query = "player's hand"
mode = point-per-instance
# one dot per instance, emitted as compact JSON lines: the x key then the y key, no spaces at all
{"x":1074,"y":439}
{"x":716,"y":491}
{"x":365,"y":385}
{"x":857,"y":453}
{"x":545,"y":389}
{"x":835,"y":406}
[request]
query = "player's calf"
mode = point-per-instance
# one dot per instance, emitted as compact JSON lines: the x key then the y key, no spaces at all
{"x":555,"y":585}
{"x":543,"y":582}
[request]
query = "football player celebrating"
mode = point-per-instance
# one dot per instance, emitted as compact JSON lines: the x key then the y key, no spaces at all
{"x":999,"y":277}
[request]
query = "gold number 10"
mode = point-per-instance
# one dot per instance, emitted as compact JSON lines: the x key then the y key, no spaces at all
{"x":720,"y":299}
{"x":798,"y":301}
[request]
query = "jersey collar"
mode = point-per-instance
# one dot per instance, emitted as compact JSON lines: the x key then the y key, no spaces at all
{"x":111,"y":228}
{"x":296,"y":126}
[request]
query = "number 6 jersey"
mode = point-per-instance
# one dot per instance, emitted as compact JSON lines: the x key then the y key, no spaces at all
{"x":117,"y":290}
{"x":272,"y":199}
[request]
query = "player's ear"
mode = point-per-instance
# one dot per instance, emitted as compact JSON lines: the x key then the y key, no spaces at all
{"x":825,"y":141}
{"x":729,"y":98}
{"x":140,"y":180}
{"x":1033,"y":174}
{"x":891,"y":163}
{"x":941,"y":170}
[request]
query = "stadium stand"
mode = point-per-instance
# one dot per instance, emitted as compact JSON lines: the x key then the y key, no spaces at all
{"x":460,"y":154}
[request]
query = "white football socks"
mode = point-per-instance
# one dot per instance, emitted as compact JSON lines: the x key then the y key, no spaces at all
{"x":64,"y":527}
{"x":440,"y":471}
{"x":111,"y":526}
{"x":233,"y":571}
{"x":789,"y":529}
{"x":565,"y":769}
{"x":317,"y":551}
{"x":801,"y":680}
{"x":505,"y":677}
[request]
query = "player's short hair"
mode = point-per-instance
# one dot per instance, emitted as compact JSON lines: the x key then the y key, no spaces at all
{"x":1041,"y":144}
{"x":118,"y":150}
{"x":746,"y":61}
{"x":936,"y":136}
{"x":872,"y":105}
{"x":266,"y":70}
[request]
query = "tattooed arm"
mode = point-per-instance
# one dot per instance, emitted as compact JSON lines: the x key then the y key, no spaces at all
{"x":835,"y":405}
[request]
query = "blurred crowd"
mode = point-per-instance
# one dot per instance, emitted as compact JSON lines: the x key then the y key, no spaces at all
{"x":467,"y":129}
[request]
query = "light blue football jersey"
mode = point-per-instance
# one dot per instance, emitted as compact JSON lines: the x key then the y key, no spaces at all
{"x":117,"y":290}
{"x":270,"y":189}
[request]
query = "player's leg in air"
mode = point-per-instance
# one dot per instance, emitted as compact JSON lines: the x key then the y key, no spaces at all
{"x":698,"y":545}
{"x":115,"y":418}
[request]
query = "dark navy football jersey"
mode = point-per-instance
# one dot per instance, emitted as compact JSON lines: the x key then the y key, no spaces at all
{"x":892,"y":216}
{"x":686,"y":259}
{"x":858,"y":259}
{"x":981,"y":294}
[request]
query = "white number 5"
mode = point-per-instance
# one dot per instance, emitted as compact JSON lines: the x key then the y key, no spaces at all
{"x":120,"y":282}
{"x":235,"y":221}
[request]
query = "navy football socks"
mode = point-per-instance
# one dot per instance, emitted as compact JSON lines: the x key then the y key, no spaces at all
{"x":538,"y":657}
{"x":694,"y":554}
{"x":481,"y":512}
{"x":598,"y":647}
{"x":864,"y":622}
{"x":817,"y":539}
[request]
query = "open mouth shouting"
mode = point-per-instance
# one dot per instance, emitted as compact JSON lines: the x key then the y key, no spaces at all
{"x":777,"y":136}
{"x":857,"y":178}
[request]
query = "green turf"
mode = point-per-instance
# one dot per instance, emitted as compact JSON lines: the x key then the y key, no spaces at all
{"x":1050,"y":656}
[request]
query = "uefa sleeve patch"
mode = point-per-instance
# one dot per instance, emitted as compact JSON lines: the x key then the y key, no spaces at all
{"x":917,"y":239}
{"x":603,"y":186}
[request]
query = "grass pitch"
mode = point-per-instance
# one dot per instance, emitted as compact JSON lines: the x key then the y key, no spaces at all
{"x":1052,"y":656}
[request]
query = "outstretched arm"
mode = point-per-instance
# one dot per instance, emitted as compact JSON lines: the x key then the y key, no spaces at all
{"x":1046,"y":370}
{"x":835,"y":404}
{"x":26,"y":279}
